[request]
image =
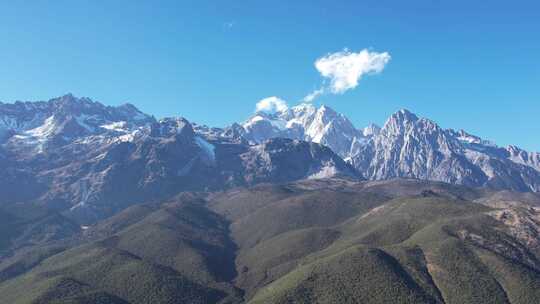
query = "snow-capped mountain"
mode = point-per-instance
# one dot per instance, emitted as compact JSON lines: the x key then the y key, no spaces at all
{"x":34,"y":125}
{"x":406,"y":146}
{"x":91,"y":160}
{"x":306,"y":122}
{"x":413,"y":147}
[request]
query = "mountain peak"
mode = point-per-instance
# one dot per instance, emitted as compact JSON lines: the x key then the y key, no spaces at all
{"x":397,"y":121}
{"x":304,"y":105}
{"x":69,"y":103}
{"x":171,"y":126}
{"x":404,"y":114}
{"x":128,"y":105}
{"x":66,"y":99}
{"x":303,"y":108}
{"x":67,"y":96}
{"x":327,"y":110}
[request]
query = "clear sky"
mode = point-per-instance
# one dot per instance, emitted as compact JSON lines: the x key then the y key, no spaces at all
{"x":465,"y":64}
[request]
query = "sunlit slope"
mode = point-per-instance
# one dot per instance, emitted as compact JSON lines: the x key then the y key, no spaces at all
{"x":319,"y":241}
{"x":424,"y":249}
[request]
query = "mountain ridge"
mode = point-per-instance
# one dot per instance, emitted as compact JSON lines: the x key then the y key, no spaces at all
{"x":405,"y":146}
{"x":91,"y":167}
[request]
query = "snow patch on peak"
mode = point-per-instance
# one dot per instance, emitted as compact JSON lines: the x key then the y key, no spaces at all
{"x":45,"y":130}
{"x":325,"y":110}
{"x":303,"y":107}
{"x":118,"y":126}
{"x":467,"y":138}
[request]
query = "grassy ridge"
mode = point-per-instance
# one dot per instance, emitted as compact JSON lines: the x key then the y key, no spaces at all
{"x":101,"y":269}
{"x":171,"y":254}
{"x":309,"y":242}
{"x":355,"y":275}
{"x":430,"y":239}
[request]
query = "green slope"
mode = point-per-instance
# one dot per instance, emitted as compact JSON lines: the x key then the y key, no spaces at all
{"x":307,"y":242}
{"x":436,"y":241}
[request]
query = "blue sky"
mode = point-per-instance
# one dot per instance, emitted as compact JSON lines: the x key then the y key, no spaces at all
{"x":465,"y":64}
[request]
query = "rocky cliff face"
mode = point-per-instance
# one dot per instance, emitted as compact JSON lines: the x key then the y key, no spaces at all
{"x":409,"y":146}
{"x":91,"y":161}
{"x":406,"y":146}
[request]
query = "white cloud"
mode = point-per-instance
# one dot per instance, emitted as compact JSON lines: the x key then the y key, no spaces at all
{"x":345,"y":69}
{"x":311,"y":96}
{"x":271,"y":105}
